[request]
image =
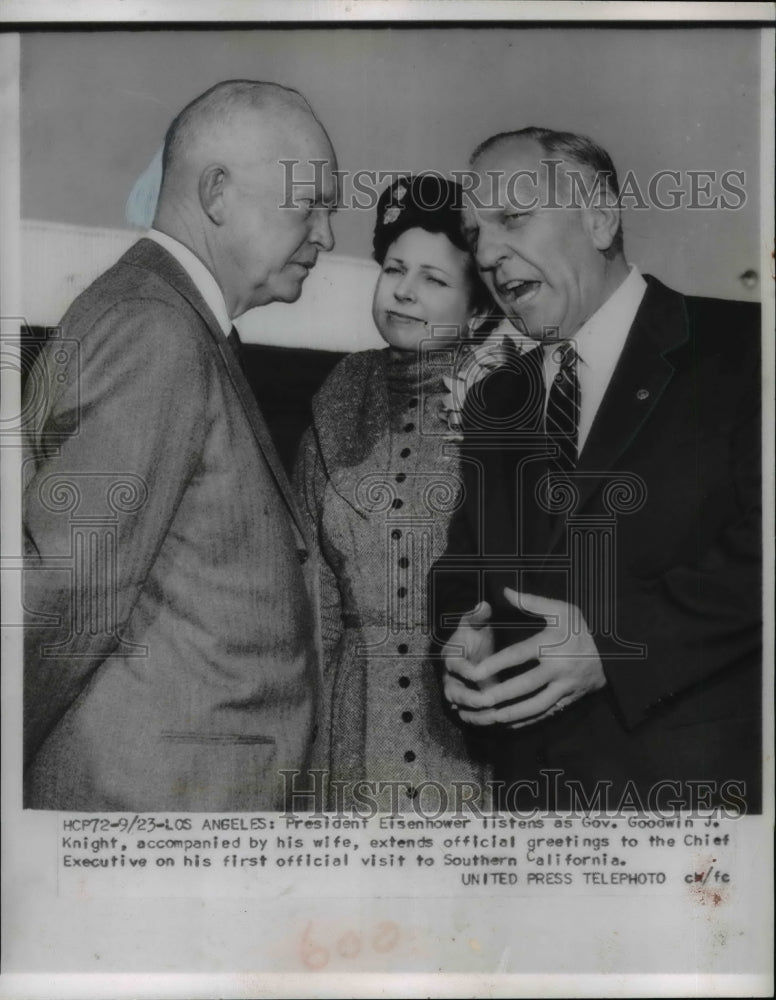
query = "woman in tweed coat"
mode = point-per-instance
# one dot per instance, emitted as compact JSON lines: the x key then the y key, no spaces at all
{"x":378,"y":477}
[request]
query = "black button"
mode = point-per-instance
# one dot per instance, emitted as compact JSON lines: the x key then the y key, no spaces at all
{"x":404,"y":562}
{"x":413,"y":403}
{"x":406,"y":716}
{"x":409,"y":756}
{"x":400,"y":477}
{"x":397,"y":503}
{"x":404,"y":682}
{"x":303,"y":555}
{"x":409,"y":427}
{"x":403,"y":648}
{"x":405,"y":452}
{"x":402,"y":591}
{"x":396,"y":533}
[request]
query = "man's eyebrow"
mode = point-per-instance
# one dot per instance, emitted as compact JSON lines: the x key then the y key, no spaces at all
{"x":332,"y":204}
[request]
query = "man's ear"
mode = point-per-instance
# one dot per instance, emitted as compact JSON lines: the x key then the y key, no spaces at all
{"x":602,"y":223}
{"x":212,"y":181}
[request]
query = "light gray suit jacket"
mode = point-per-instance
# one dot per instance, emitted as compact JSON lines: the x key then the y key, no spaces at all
{"x":172,"y":648}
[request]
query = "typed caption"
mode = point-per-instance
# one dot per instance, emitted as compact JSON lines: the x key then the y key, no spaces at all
{"x":390,"y":855}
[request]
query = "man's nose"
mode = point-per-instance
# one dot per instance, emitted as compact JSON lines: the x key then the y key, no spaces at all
{"x":490,"y":250}
{"x":322,"y":234}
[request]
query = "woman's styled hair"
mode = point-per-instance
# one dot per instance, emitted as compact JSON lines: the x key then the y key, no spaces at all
{"x":434,"y":203}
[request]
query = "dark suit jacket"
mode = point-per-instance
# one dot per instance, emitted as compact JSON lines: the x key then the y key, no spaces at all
{"x":657,"y":540}
{"x":171,"y":644}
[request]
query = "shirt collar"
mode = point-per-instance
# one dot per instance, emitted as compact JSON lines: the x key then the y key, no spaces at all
{"x":603,"y":335}
{"x":203,"y":280}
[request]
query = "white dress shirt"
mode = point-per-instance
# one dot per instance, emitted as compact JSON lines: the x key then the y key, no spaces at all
{"x":599,"y":343}
{"x":203,"y":280}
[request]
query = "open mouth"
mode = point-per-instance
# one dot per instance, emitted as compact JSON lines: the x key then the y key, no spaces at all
{"x":518,"y":290}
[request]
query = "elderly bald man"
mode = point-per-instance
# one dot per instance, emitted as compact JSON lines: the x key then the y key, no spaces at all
{"x":171,"y":658}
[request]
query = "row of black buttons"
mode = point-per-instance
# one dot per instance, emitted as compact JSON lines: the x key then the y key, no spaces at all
{"x":397,"y":504}
{"x":396,"y":534}
{"x":404,"y":562}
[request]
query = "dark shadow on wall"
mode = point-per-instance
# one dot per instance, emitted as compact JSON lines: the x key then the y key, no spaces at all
{"x":284,"y":381}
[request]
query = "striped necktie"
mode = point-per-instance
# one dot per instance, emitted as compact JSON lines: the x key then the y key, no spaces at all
{"x":562,"y":417}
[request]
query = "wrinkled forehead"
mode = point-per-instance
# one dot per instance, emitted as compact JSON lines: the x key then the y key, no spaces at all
{"x":294,"y":149}
{"x":514,"y":174}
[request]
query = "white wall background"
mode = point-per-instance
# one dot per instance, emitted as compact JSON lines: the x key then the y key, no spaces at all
{"x":95,"y":106}
{"x":334,"y":312}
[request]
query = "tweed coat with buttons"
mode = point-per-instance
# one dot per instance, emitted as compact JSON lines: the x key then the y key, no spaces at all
{"x":378,"y":475}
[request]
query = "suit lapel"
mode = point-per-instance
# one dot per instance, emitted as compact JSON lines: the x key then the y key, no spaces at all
{"x":635,"y":389}
{"x":149,"y":254}
{"x":259,"y":426}
{"x":504,"y":437}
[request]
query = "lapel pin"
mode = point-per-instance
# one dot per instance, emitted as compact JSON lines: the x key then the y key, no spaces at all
{"x":642,"y":394}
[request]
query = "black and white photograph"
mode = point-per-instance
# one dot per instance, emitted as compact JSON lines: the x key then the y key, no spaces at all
{"x":387,"y":450}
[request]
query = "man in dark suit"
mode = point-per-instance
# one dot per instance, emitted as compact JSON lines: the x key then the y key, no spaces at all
{"x":172,"y":651}
{"x":600,"y":598}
